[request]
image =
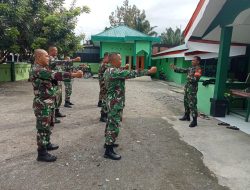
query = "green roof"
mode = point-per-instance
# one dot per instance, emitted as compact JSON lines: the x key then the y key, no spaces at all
{"x":123,"y":33}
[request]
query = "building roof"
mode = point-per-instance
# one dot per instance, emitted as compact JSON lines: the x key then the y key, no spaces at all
{"x":211,"y":15}
{"x":123,"y":33}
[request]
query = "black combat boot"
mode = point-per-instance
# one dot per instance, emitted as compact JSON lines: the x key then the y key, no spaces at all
{"x":109,"y":153}
{"x":59,"y":114}
{"x":186,"y":117}
{"x":51,"y":146}
{"x":67,"y":104}
{"x":57,"y":120}
{"x":103,"y":117}
{"x":194,"y":122}
{"x":114,"y":145}
{"x":70,"y":103}
{"x":44,"y":156}
{"x":99,"y":103}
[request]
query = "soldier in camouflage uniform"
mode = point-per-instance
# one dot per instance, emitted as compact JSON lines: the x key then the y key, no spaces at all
{"x":69,"y":67}
{"x":44,"y":101}
{"x":191,"y":88}
{"x":114,"y":78}
{"x":56,"y":65}
{"x":103,"y":91}
{"x":101,"y":71}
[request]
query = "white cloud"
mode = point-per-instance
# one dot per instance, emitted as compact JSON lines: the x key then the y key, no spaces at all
{"x":161,"y":13}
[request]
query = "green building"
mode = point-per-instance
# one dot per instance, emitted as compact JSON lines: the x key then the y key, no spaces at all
{"x":218,"y":32}
{"x":134,"y":46}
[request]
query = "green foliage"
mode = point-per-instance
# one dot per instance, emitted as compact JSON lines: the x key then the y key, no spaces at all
{"x":172,"y":38}
{"x":29,"y":24}
{"x":132,"y":17}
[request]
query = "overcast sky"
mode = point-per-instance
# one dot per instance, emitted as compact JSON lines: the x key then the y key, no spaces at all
{"x":160,"y":13}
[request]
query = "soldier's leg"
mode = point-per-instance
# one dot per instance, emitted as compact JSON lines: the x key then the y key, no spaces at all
{"x":193,"y":108}
{"x":100,"y":94}
{"x":43,"y":126}
{"x":68,"y":92}
{"x":59,"y":102}
{"x":104,"y":109}
{"x":186,"y":116}
{"x":112,"y":132}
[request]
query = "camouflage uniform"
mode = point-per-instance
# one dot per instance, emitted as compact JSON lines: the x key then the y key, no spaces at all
{"x":101,"y":71}
{"x":44,"y":100}
{"x":115,"y":99}
{"x":103,"y":90}
{"x":68,"y":67}
{"x":190,"y":89}
{"x":57,"y":65}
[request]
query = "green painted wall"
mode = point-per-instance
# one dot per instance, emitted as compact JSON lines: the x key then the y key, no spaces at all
{"x":145,"y":46}
{"x":125,"y":49}
{"x":5,"y":74}
{"x":203,"y":97}
{"x":22,"y":71}
{"x":164,"y":65}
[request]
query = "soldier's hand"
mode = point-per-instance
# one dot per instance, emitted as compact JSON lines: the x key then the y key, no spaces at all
{"x":78,"y":74}
{"x":152,"y":70}
{"x":126,"y":66}
{"x":173,"y":66}
{"x":77,"y":59}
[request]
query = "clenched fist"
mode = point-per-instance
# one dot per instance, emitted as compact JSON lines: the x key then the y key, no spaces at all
{"x":77,"y":59}
{"x":77,"y":74}
{"x":152,"y":70}
{"x":126,"y":66}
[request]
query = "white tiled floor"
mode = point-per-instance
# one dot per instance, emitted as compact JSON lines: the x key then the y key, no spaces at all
{"x":236,"y":120}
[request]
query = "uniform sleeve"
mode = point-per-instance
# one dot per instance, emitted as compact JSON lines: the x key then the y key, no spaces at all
{"x":195,"y":77}
{"x":125,"y":74}
{"x":180,"y":70}
{"x":52,"y":75}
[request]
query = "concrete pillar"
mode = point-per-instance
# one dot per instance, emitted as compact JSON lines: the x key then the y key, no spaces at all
{"x":223,"y":62}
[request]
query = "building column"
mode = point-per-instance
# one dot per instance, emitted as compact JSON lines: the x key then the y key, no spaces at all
{"x":150,"y":55}
{"x":223,"y":62}
{"x":218,"y":106}
{"x":134,"y":55}
{"x":101,"y":50}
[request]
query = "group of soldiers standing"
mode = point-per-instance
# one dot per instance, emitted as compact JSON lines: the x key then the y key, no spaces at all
{"x":48,"y":73}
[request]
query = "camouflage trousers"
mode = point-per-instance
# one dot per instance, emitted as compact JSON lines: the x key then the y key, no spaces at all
{"x":102,"y":93}
{"x":113,"y":126}
{"x":58,"y":101}
{"x":190,"y":101}
{"x":44,"y":125}
{"x":68,"y":90}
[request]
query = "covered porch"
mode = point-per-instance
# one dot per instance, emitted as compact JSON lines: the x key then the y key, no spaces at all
{"x":226,"y":26}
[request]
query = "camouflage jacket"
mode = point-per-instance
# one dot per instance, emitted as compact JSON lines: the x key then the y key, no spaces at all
{"x":193,"y":74}
{"x":44,"y":91}
{"x":115,"y":84}
{"x":101,"y":71}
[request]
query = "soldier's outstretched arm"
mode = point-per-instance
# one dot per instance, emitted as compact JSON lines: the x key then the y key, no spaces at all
{"x":45,"y":74}
{"x":125,"y":74}
{"x":178,"y":69}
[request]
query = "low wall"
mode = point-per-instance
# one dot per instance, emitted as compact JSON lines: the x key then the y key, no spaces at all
{"x":20,"y":70}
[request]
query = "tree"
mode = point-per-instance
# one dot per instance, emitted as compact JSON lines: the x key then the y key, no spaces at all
{"x":172,"y":38}
{"x":29,"y":24}
{"x":132,"y":17}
